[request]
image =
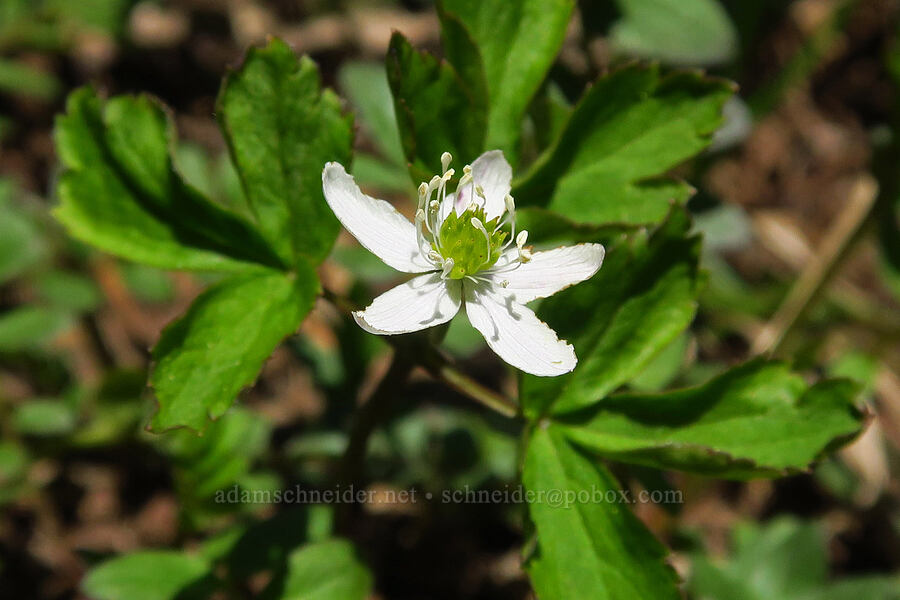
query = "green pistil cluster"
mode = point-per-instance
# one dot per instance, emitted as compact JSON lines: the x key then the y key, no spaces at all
{"x":471,"y":248}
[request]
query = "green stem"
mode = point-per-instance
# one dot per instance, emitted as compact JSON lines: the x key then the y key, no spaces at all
{"x":441,"y":368}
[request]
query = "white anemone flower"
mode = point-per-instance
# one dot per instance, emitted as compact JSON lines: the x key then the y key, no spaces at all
{"x":466,"y":250}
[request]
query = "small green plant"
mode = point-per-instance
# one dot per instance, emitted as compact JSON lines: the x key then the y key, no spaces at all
{"x":597,"y":183}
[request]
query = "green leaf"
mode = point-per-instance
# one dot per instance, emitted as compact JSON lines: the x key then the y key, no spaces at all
{"x":680,"y":32}
{"x":69,"y":291}
{"x":120,"y":192}
{"x":326,"y":570}
{"x":517,"y":42}
{"x":21,"y":79}
{"x":594,"y":544}
{"x":281,"y":129}
{"x":13,"y":470}
{"x":785,"y":559}
{"x":30,"y":327}
{"x":436,"y":111}
{"x":643,"y":296}
{"x":206,"y":357}
{"x":21,"y":245}
{"x":758,"y":419}
{"x":625,"y":134}
{"x":44,"y":418}
{"x":220,"y":457}
{"x":149,"y":575}
{"x":368,"y":90}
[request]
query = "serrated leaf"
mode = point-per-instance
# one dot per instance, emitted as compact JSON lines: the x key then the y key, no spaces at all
{"x":206,"y":357}
{"x":436,"y":110}
{"x":282,"y":128}
{"x":120,"y":193}
{"x":149,"y":575}
{"x":517,"y":42}
{"x":679,"y":32}
{"x":594,"y":544}
{"x":326,"y":570}
{"x":758,"y":419}
{"x":642,"y":298}
{"x":624,"y":135}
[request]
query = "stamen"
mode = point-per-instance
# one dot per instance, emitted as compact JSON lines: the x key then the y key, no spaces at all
{"x":446,"y":159}
{"x":487,"y":237}
{"x":423,"y":190}
{"x":448,"y":266}
{"x":420,"y":237}
{"x":524,"y":253}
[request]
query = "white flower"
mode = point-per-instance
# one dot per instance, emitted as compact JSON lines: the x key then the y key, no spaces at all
{"x":465,"y":256}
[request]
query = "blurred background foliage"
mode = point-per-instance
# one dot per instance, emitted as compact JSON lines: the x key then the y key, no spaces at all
{"x":801,"y":253}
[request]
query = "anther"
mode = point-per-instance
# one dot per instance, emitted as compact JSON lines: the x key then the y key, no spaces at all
{"x":447,"y":267}
{"x":446,"y":159}
{"x":521,"y":238}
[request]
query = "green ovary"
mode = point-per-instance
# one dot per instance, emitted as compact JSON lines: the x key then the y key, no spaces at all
{"x":466,"y":245}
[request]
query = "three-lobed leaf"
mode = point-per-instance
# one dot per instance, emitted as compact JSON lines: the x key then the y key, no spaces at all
{"x":758,"y":419}
{"x":625,"y":134}
{"x":282,"y":128}
{"x":207,"y":356}
{"x":587,"y":542}
{"x":120,"y":192}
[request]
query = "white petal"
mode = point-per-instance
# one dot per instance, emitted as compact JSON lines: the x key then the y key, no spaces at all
{"x":494,"y":175}
{"x":547,"y":272}
{"x":421,"y":302}
{"x":516,"y":334}
{"x":375,"y":223}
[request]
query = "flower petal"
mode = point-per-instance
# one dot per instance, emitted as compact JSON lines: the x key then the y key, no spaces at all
{"x":516,"y":334}
{"x":375,"y":223}
{"x":494,"y":175}
{"x":421,"y":302}
{"x":547,"y":272}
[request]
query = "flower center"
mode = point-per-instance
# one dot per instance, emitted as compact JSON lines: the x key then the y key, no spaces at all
{"x":462,"y":244}
{"x":473,"y":243}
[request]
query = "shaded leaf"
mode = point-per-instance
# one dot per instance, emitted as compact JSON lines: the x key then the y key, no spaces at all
{"x":680,"y":32}
{"x":326,"y":570}
{"x":366,"y":86}
{"x":149,"y":575}
{"x":30,"y":327}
